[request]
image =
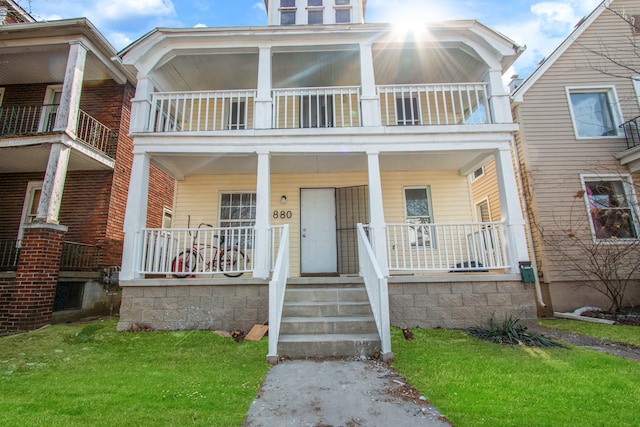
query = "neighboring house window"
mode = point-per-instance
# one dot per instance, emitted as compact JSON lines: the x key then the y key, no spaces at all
{"x":612,"y":207}
{"x":287,"y":12}
{"x":343,"y":14}
{"x":167,"y":217}
{"x":478,"y":173}
{"x":594,"y":112}
{"x":50,"y":108}
{"x":635,"y":21}
{"x":407,"y":111}
{"x":30,"y":206}
{"x":316,"y":111}
{"x":315,"y":12}
{"x":417,"y":201}
{"x":483,"y":212}
{"x":236,"y":115}
{"x":636,"y":86}
{"x":1,"y":95}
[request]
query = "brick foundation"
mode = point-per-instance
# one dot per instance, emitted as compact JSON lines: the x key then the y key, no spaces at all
{"x":31,"y":305}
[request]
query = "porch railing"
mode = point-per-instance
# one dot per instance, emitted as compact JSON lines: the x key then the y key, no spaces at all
{"x":32,"y":119}
{"x":632,"y":132}
{"x":202,"y":111}
{"x":186,"y":252}
{"x":323,"y":107}
{"x":434,"y":104}
{"x":9,"y":254}
{"x":79,"y":257}
{"x":277,"y":287}
{"x":447,"y":247}
{"x":377,"y":288}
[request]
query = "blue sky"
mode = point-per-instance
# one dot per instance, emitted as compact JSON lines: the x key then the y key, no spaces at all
{"x":540,"y":25}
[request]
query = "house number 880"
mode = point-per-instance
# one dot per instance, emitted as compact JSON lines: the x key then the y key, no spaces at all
{"x":282,"y":214}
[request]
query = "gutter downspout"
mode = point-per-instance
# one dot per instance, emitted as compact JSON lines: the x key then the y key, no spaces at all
{"x":527,"y":226}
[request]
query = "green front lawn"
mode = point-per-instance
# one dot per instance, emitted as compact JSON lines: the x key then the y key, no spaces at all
{"x":91,"y":375}
{"x":619,"y":333}
{"x":476,"y":383}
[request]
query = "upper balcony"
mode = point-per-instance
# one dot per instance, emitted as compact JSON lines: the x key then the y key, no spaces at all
{"x":631,"y":156}
{"x":324,"y":77}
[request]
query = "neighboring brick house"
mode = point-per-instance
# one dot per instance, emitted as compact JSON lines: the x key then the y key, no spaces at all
{"x":65,"y":164}
{"x":578,"y":158}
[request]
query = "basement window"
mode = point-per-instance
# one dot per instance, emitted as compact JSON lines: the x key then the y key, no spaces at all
{"x":68,"y":296}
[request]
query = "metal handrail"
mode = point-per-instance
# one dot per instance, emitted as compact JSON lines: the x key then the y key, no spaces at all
{"x":632,"y":132}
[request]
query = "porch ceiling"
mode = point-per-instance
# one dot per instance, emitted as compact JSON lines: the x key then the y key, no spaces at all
{"x":205,"y":164}
{"x":34,"y":158}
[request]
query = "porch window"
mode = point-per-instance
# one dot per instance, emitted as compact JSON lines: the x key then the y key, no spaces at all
{"x":238,"y":210}
{"x":50,"y":108}
{"x":610,"y":203}
{"x":316,"y":111}
{"x":593,"y":113}
{"x":417,"y":202}
{"x":407,"y":111}
{"x":30,"y":206}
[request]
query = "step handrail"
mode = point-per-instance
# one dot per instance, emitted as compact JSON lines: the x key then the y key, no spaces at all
{"x":277,"y":287}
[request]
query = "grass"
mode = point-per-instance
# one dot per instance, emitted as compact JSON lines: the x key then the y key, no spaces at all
{"x":618,"y":333}
{"x":476,"y":383}
{"x":79,"y":375}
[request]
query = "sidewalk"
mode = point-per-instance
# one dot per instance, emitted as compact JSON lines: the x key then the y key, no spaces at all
{"x":307,"y":393}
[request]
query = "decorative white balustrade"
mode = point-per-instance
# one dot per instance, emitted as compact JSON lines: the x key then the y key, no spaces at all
{"x":202,"y":111}
{"x":446,"y":247}
{"x":277,"y":288}
{"x":188,"y":252}
{"x":434,"y":104}
{"x":323,"y":107}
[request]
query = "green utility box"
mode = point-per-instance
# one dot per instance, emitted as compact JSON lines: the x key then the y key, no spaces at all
{"x":526,"y":270}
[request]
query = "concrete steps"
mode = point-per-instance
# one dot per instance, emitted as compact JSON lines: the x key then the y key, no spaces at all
{"x":333,"y":320}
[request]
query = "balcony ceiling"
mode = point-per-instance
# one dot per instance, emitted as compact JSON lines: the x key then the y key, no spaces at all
{"x":185,"y":165}
{"x":39,"y":65}
{"x":34,"y":158}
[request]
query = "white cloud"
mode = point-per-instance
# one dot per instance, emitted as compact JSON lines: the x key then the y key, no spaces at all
{"x":119,"y":40}
{"x":259,"y":5}
{"x":200,"y":26}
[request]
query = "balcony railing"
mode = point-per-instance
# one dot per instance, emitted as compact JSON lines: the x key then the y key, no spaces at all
{"x":9,"y":253}
{"x":34,"y":119}
{"x":323,"y":107}
{"x":632,"y":132}
{"x":446,"y":247}
{"x":441,"y":104}
{"x":201,"y":111}
{"x":79,"y":257}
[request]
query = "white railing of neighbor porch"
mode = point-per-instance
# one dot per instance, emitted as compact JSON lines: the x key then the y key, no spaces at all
{"x":277,"y":288}
{"x":377,"y":289}
{"x":165,"y":251}
{"x":201,"y":111}
{"x":434,"y":104}
{"x":447,"y":247}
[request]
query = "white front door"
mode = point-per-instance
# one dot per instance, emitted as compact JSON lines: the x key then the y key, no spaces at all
{"x":318,"y":251}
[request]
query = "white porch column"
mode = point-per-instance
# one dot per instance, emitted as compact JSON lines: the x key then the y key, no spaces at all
{"x":141,"y":105}
{"x":500,"y":103}
{"x":261,"y":267}
{"x":53,"y":185}
{"x":67,"y":116}
{"x":135,"y":218}
{"x":511,"y":210}
{"x":263,"y":101}
{"x":376,"y":211}
{"x":370,"y":101}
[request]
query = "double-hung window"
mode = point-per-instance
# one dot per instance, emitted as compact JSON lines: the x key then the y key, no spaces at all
{"x":612,"y":207}
{"x":287,"y":12}
{"x":343,"y":11}
{"x":238,"y":210}
{"x":30,"y":206}
{"x":315,"y":12}
{"x":236,"y":115}
{"x":407,"y":113}
{"x":594,"y":111}
{"x":417,"y":202}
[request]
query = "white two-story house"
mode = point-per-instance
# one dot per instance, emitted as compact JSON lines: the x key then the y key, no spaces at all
{"x":323,"y":151}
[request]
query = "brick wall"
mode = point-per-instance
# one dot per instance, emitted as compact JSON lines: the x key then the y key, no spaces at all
{"x":7,"y":288}
{"x":31,"y":305}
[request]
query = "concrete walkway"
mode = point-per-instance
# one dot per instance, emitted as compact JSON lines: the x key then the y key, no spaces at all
{"x":333,"y":393}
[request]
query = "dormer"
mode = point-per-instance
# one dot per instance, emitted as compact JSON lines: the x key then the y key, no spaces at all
{"x":315,"y":12}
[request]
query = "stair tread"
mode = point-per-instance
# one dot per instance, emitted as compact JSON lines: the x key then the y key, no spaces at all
{"x":328,"y":337}
{"x":322,"y":319}
{"x":315,"y":303}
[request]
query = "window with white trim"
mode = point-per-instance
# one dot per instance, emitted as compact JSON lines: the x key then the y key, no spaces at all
{"x":595,"y":112}
{"x":483,"y":213}
{"x":636,"y":86}
{"x":237,"y":209}
{"x":417,"y":202}
{"x":315,"y":12}
{"x":1,"y":94}
{"x":30,"y":206}
{"x":612,"y":207}
{"x":167,"y":217}
{"x":407,"y":113}
{"x":343,"y":11}
{"x":635,"y":24}
{"x":236,"y":115}
{"x":287,"y":12}
{"x":50,"y":108}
